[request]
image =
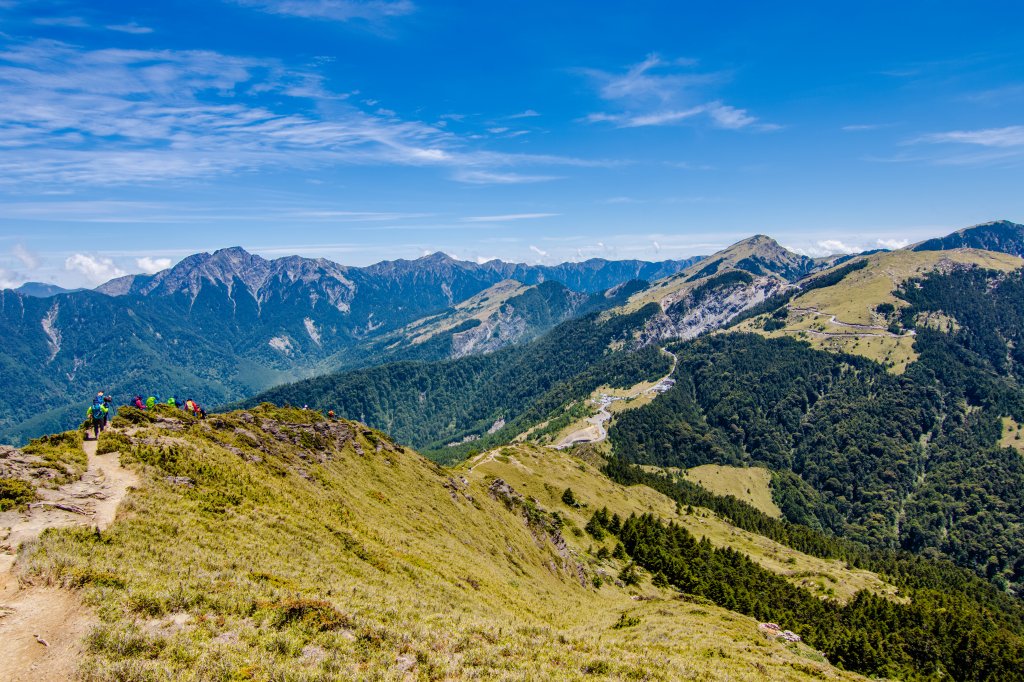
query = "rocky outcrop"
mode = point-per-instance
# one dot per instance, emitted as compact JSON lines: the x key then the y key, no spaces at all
{"x":689,"y":317}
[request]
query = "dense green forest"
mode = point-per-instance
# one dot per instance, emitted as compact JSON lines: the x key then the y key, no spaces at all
{"x":429,"y":405}
{"x":909,"y":461}
{"x":939,"y":632}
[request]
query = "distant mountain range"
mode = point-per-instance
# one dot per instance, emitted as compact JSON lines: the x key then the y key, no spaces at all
{"x":227,"y":324}
{"x":42,"y":289}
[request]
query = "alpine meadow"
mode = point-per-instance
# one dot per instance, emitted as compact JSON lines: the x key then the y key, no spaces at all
{"x":425,"y":340}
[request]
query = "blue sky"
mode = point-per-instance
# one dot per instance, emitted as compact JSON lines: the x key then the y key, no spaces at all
{"x":132,"y":134}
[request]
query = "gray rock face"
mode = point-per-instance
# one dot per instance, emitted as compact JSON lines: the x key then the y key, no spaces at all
{"x":687,"y":318}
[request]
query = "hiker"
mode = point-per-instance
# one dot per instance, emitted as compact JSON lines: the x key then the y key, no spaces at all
{"x":190,"y":406}
{"x":97,"y":412}
{"x":108,"y":405}
{"x":138,"y":403}
{"x":172,"y":401}
{"x":331,"y":415}
{"x":150,"y":402}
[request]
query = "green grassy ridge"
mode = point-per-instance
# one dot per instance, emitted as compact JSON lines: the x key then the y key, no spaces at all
{"x":274,"y":544}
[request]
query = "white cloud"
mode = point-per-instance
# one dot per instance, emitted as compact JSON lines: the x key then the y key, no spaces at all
{"x":130,"y":27}
{"x":539,"y":251}
{"x":474,"y":177}
{"x":660,"y":117}
{"x":529,"y":113}
{"x":334,"y":10}
{"x":657,"y":246}
{"x":1010,"y":136}
{"x":507,"y":217}
{"x":485,"y":259}
{"x":121,"y":116}
{"x":151,"y":265}
{"x":653,"y":79}
{"x":732,"y":118}
{"x":861,"y":127}
{"x":892,"y":244}
{"x":27,"y":258}
{"x":96,"y":269}
{"x":657,"y":92}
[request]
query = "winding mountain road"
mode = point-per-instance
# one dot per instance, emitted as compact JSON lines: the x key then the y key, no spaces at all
{"x":597,"y":430}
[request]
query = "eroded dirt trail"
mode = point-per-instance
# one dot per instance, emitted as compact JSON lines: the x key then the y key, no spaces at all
{"x":42,"y":627}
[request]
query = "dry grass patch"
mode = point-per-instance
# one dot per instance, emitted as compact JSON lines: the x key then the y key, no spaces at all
{"x":749,"y":484}
{"x":1013,"y":434}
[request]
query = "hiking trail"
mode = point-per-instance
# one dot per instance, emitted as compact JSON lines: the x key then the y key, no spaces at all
{"x":42,"y":627}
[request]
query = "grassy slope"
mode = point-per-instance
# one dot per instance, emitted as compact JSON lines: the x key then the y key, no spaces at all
{"x":307,"y":550}
{"x":545,"y":474}
{"x":750,"y":484}
{"x":1013,"y":434}
{"x":853,"y":301}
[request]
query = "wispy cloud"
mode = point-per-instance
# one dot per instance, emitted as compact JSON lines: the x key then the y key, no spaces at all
{"x":122,"y":116}
{"x":507,"y":217}
{"x":529,"y":113}
{"x":539,"y":251}
{"x":130,"y":27}
{"x":863,"y":127}
{"x":479,"y":177}
{"x":1010,"y":136}
{"x":334,"y":10}
{"x":27,"y":258}
{"x":979,"y":147}
{"x":658,"y":92}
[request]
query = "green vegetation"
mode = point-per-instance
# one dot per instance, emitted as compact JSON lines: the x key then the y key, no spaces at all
{"x":15,"y":493}
{"x":911,"y":461}
{"x":429,"y":405}
{"x":61,"y":452}
{"x":869,"y":634}
{"x":274,"y":544}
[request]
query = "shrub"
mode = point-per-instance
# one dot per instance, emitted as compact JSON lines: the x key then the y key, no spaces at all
{"x":569,"y":498}
{"x":111,"y":441}
{"x":310,"y":613}
{"x":15,"y":493}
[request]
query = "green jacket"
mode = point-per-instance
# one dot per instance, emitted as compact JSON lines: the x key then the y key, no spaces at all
{"x":96,"y":412}
{"x":150,"y":402}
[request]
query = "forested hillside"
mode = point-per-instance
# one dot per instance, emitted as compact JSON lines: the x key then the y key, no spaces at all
{"x":430,"y":405}
{"x":910,"y":461}
{"x":222,"y":326}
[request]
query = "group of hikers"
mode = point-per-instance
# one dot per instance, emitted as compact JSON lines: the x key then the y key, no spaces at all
{"x":98,"y":413}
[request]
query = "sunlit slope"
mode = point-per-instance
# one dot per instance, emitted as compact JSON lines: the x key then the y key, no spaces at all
{"x":545,"y":474}
{"x":846,"y":317}
{"x":273,"y":544}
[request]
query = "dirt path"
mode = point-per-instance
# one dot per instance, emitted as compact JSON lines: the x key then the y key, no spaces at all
{"x":33,"y":614}
{"x":596,"y":431}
